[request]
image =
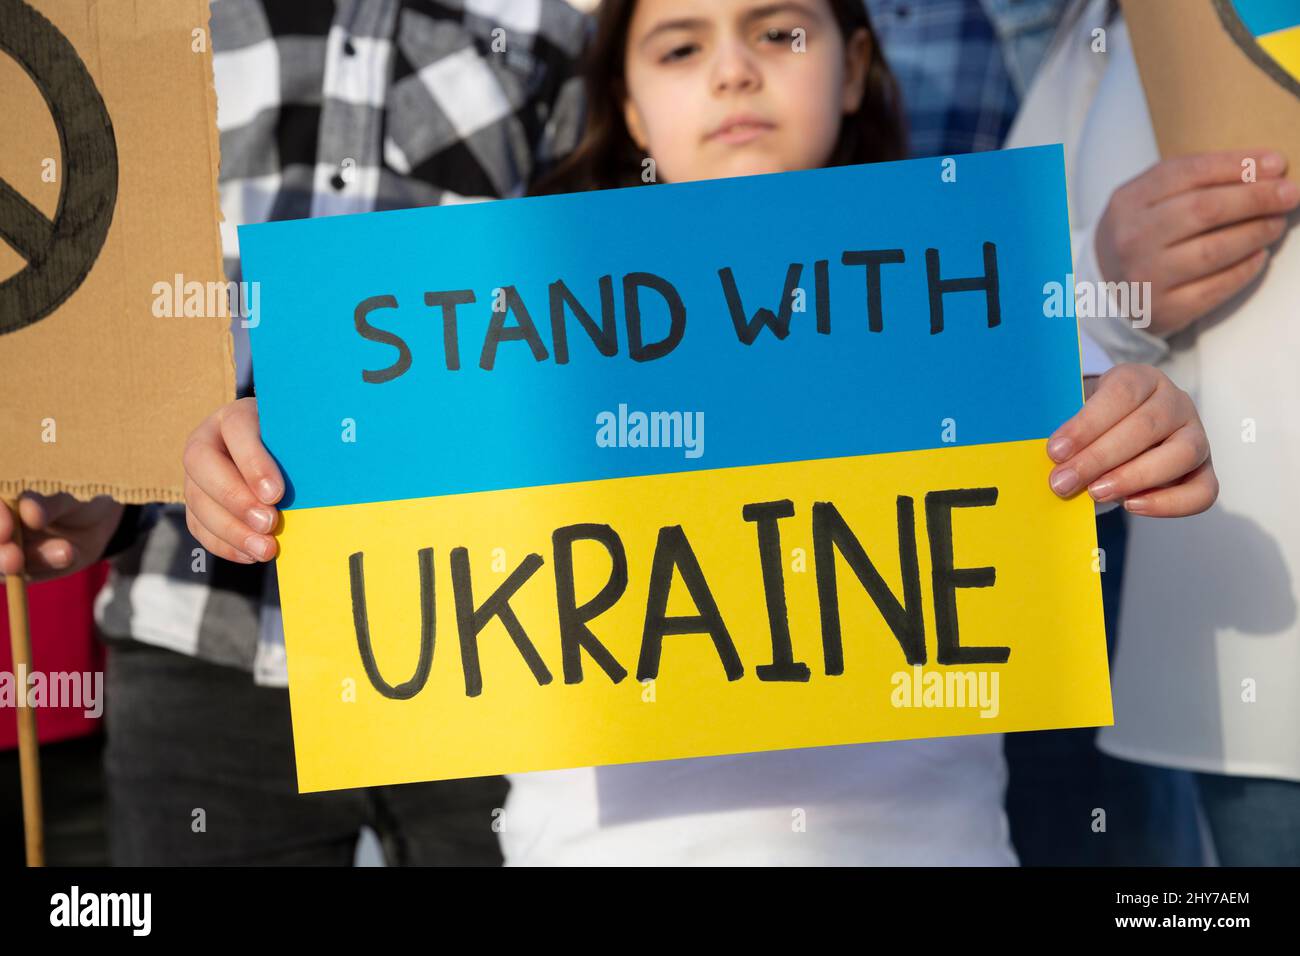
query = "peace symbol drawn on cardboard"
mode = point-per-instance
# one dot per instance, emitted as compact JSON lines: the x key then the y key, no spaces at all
{"x":59,"y":252}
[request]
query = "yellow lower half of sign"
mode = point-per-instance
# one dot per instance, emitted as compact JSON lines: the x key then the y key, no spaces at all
{"x":679,"y":663}
{"x":1284,"y":47}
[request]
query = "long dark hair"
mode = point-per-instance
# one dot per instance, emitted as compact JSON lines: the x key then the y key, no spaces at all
{"x":608,"y":157}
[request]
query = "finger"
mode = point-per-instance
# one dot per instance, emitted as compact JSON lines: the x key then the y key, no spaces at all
{"x":40,"y":554}
{"x":1142,"y":429}
{"x":1221,"y":249}
{"x":12,"y":560}
{"x":242,"y":433}
{"x":225,"y":527}
{"x":212,"y":543}
{"x":47,"y":509}
{"x":50,"y":555}
{"x":209,"y":468}
{"x":1172,"y":460}
{"x":1202,"y":169}
{"x":1191,"y":496}
{"x":1205,"y":295}
{"x":1192,"y":213}
{"x":34,"y":510}
{"x":1121,"y":390}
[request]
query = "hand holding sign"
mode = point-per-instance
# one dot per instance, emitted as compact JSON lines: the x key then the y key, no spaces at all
{"x":1138,"y":439}
{"x":231,"y":485}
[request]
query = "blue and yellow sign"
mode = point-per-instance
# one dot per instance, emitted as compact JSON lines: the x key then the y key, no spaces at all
{"x":1275,"y":26}
{"x":678,"y":470}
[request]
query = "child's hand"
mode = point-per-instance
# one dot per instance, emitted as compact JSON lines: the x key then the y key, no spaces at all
{"x":1195,"y":230}
{"x":1137,"y":438}
{"x":231,"y":481}
{"x":60,"y":535}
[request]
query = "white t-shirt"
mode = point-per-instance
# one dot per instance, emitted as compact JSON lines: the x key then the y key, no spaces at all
{"x":903,"y":803}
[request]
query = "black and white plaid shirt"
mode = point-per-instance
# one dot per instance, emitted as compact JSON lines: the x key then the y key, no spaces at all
{"x":344,"y":107}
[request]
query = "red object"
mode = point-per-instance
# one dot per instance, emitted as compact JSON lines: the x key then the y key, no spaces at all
{"x":61,"y":616}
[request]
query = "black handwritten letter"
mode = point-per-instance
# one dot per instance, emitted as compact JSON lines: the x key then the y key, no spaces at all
{"x":361,"y":623}
{"x":372,"y":334}
{"x":747,"y":330}
{"x":987,"y":283}
{"x":831,"y":533}
{"x":873,"y":259}
{"x":471,"y":620}
{"x":605,"y":336}
{"x":574,"y":633}
{"x":938,"y":519}
{"x":522,"y":331}
{"x":673,"y":551}
{"x":766,"y":515}
{"x":448,"y":301}
{"x":632,"y":283}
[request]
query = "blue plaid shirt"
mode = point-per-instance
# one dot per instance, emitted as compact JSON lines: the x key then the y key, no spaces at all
{"x":963,"y":65}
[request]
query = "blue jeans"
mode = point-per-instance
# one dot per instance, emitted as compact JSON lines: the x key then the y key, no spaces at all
{"x":1255,"y":821}
{"x":1059,"y":780}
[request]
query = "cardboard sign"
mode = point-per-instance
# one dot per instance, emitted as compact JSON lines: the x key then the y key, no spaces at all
{"x":114,"y":323}
{"x":681,"y":470}
{"x":1220,"y":74}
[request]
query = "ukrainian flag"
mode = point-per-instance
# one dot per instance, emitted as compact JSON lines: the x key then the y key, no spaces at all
{"x":486,"y":568}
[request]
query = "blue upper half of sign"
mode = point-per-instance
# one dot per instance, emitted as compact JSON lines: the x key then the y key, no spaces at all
{"x":814,"y":394}
{"x":1268,"y":16}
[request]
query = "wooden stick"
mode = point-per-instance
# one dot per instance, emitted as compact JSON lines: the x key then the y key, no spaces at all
{"x":29,"y":759}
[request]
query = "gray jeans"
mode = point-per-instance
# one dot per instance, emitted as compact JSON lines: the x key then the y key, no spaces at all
{"x":200,"y":773}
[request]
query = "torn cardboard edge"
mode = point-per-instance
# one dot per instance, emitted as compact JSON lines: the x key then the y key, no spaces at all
{"x":11,"y":489}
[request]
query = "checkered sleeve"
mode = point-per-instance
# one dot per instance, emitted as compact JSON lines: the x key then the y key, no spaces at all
{"x":481,"y":102}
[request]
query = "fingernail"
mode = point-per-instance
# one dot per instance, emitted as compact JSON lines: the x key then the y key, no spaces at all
{"x":1136,"y":505}
{"x":259,"y":519}
{"x":268,"y":490}
{"x":1288,"y":192}
{"x":1058,"y":449}
{"x":257,"y":546}
{"x":1271,"y":163}
{"x":1063,"y":482}
{"x":1101,"y":490}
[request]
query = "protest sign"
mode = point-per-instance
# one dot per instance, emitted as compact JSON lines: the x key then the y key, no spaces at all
{"x":1220,"y":74}
{"x":108,"y":209}
{"x":678,"y":470}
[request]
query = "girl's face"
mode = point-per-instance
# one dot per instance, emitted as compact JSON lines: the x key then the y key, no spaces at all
{"x":739,"y":87}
